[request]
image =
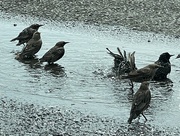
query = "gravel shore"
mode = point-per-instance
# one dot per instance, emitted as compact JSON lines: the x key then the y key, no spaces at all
{"x":159,"y":16}
{"x":27,"y":119}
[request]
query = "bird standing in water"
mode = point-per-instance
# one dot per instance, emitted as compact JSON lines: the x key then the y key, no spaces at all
{"x":26,"y":34}
{"x":55,"y":53}
{"x":143,"y":74}
{"x":123,"y":63}
{"x":165,"y":69}
{"x":141,"y":101}
{"x":32,"y":46}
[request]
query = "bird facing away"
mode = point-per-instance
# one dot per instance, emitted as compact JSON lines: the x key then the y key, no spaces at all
{"x":141,"y":101}
{"x":118,"y":58}
{"x":162,"y":72}
{"x":55,"y":53}
{"x":143,"y":74}
{"x":26,"y":34}
{"x":122,"y":62}
{"x":32,"y":46}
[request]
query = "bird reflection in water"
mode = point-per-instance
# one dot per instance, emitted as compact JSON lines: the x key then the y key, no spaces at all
{"x":33,"y":61}
{"x":55,"y":69}
{"x":165,"y":87}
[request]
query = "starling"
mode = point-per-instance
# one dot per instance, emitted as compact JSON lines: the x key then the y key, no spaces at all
{"x":26,"y":34}
{"x":144,"y":74}
{"x":141,"y":101}
{"x":55,"y":53}
{"x":122,"y":62}
{"x":32,"y":46}
{"x":165,"y":69}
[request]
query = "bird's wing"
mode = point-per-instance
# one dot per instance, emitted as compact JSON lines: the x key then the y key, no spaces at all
{"x":142,"y":100}
{"x":116,"y":56}
{"x":31,"y":45}
{"x":138,"y":103}
{"x":26,"y":33}
{"x":138,"y":98}
{"x":23,"y":34}
{"x":143,"y":70}
{"x":49,"y":54}
{"x":139,"y":72}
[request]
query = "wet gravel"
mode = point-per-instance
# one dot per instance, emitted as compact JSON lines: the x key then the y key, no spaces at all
{"x":23,"y":118}
{"x":19,"y":118}
{"x":160,"y":16}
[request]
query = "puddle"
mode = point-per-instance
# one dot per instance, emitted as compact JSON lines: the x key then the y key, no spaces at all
{"x":79,"y":80}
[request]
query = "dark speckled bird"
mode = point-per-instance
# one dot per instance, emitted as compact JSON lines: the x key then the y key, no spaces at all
{"x":32,"y":46}
{"x":141,"y":101}
{"x":123,"y":63}
{"x":118,"y":58}
{"x":26,"y":34}
{"x":143,"y":74}
{"x":55,"y":53}
{"x":162,"y":72}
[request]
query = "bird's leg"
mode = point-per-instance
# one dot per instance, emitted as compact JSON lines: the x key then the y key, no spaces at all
{"x":144,"y":116}
{"x":119,"y":70}
{"x":132,"y":86}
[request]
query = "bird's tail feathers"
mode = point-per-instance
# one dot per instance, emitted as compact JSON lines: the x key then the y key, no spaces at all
{"x":113,"y":54}
{"x":131,"y":59}
{"x":119,"y":52}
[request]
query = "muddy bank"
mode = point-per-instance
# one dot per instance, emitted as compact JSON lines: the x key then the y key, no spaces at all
{"x":160,"y":16}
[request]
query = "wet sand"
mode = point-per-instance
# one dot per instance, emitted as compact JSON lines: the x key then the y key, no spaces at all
{"x":23,"y":118}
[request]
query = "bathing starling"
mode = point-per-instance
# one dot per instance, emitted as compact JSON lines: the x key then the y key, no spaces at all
{"x":162,"y":72}
{"x":122,"y":62}
{"x":55,"y":53}
{"x":141,"y":101}
{"x":144,"y":74}
{"x":32,"y":46}
{"x":118,"y":58}
{"x":26,"y":34}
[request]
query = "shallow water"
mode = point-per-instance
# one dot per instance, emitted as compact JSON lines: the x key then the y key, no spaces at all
{"x":80,"y":79}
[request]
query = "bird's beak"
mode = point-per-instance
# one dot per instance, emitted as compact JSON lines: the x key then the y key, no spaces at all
{"x":66,"y":42}
{"x":171,"y":55}
{"x":178,"y":56}
{"x":41,"y":25}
